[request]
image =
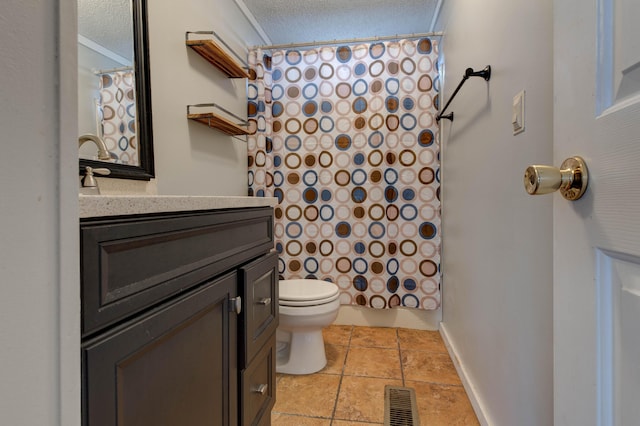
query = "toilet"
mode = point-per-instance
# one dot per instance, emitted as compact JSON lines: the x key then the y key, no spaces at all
{"x":306,"y":307}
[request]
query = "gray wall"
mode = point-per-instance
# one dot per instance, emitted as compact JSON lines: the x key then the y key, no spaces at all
{"x":497,"y":250}
{"x":192,"y":159}
{"x":39,"y":299}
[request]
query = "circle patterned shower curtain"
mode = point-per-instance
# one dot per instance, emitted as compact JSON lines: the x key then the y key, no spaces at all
{"x":345,"y":137}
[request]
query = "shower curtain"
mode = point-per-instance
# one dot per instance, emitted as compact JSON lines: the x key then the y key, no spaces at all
{"x":345,"y":137}
{"x":117,"y":111}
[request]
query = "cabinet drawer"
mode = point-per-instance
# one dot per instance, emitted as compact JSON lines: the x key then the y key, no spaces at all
{"x":259,"y":388}
{"x":131,"y":263}
{"x":259,"y":280}
{"x":174,"y":365}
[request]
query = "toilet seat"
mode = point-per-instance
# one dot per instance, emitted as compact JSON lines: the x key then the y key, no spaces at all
{"x":303,"y":292}
{"x":284,"y":302}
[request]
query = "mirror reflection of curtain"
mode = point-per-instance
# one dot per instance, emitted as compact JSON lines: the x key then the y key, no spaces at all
{"x":345,"y":137}
{"x":117,"y":113}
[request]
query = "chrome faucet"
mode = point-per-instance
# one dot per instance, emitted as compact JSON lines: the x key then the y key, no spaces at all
{"x":103,"y":152}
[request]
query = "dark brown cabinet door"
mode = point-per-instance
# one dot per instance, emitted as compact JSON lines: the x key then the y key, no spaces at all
{"x":175,"y":365}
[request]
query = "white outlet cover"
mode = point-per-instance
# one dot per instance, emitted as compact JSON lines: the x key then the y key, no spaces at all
{"x":517,"y":115}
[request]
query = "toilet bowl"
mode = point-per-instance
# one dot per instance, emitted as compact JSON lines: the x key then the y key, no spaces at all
{"x":306,"y":307}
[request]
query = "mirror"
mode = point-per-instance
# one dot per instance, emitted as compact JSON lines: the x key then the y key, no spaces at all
{"x":114,"y":93}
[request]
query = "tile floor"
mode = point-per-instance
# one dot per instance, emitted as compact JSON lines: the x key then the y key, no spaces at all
{"x":349,"y":391}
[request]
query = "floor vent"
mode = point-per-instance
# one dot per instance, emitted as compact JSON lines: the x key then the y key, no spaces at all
{"x":400,"y":407}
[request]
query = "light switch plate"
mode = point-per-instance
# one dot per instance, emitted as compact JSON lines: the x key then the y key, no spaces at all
{"x":517,"y":114}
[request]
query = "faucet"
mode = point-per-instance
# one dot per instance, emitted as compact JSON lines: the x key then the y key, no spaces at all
{"x":103,"y":152}
{"x":88,"y":183}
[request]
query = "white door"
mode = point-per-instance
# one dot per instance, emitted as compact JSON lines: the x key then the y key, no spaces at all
{"x":597,"y":238}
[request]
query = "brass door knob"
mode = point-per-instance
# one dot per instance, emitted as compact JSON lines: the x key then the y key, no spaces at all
{"x":571,"y":179}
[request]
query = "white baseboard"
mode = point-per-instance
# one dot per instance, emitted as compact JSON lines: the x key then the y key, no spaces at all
{"x":469,"y":387}
{"x":418,"y":319}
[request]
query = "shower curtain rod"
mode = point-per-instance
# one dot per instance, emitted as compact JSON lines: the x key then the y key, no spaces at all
{"x":349,"y":41}
{"x":98,"y":72}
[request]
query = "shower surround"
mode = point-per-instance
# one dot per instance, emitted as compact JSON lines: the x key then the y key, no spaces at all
{"x":345,"y":137}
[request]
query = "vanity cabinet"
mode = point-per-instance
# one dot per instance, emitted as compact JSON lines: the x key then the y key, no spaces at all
{"x":179,"y":313}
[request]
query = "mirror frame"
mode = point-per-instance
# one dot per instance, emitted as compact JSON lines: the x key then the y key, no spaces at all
{"x":144,"y":132}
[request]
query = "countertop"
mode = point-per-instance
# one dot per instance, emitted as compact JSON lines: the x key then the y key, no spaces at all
{"x":118,"y":205}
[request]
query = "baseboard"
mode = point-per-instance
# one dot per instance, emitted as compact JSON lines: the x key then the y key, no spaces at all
{"x":469,"y":387}
{"x":419,"y":319}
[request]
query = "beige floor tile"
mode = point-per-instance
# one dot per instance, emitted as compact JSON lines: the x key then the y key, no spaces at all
{"x":362,"y":399}
{"x":335,"y":359}
{"x":443,"y":405}
{"x":337,"y":334}
{"x":421,"y":340}
{"x":311,"y":395}
{"x":348,"y":423}
{"x":429,"y":367}
{"x":369,"y":358}
{"x":279,"y":419}
{"x":378,"y":337}
{"x":373,"y":362}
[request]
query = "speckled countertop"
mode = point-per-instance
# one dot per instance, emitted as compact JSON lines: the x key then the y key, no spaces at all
{"x":118,"y":205}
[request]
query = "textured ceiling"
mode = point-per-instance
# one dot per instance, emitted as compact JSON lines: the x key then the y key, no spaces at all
{"x":297,"y":21}
{"x":107,"y":23}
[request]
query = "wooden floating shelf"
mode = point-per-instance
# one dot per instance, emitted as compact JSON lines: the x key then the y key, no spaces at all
{"x":219,"y":58}
{"x":220,"y":123}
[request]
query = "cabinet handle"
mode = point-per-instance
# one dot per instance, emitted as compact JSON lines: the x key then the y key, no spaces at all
{"x":261,"y":389}
{"x":235,"y":304}
{"x":264,"y":301}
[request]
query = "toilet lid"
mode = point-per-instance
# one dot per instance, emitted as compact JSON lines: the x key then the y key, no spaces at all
{"x":306,"y":292}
